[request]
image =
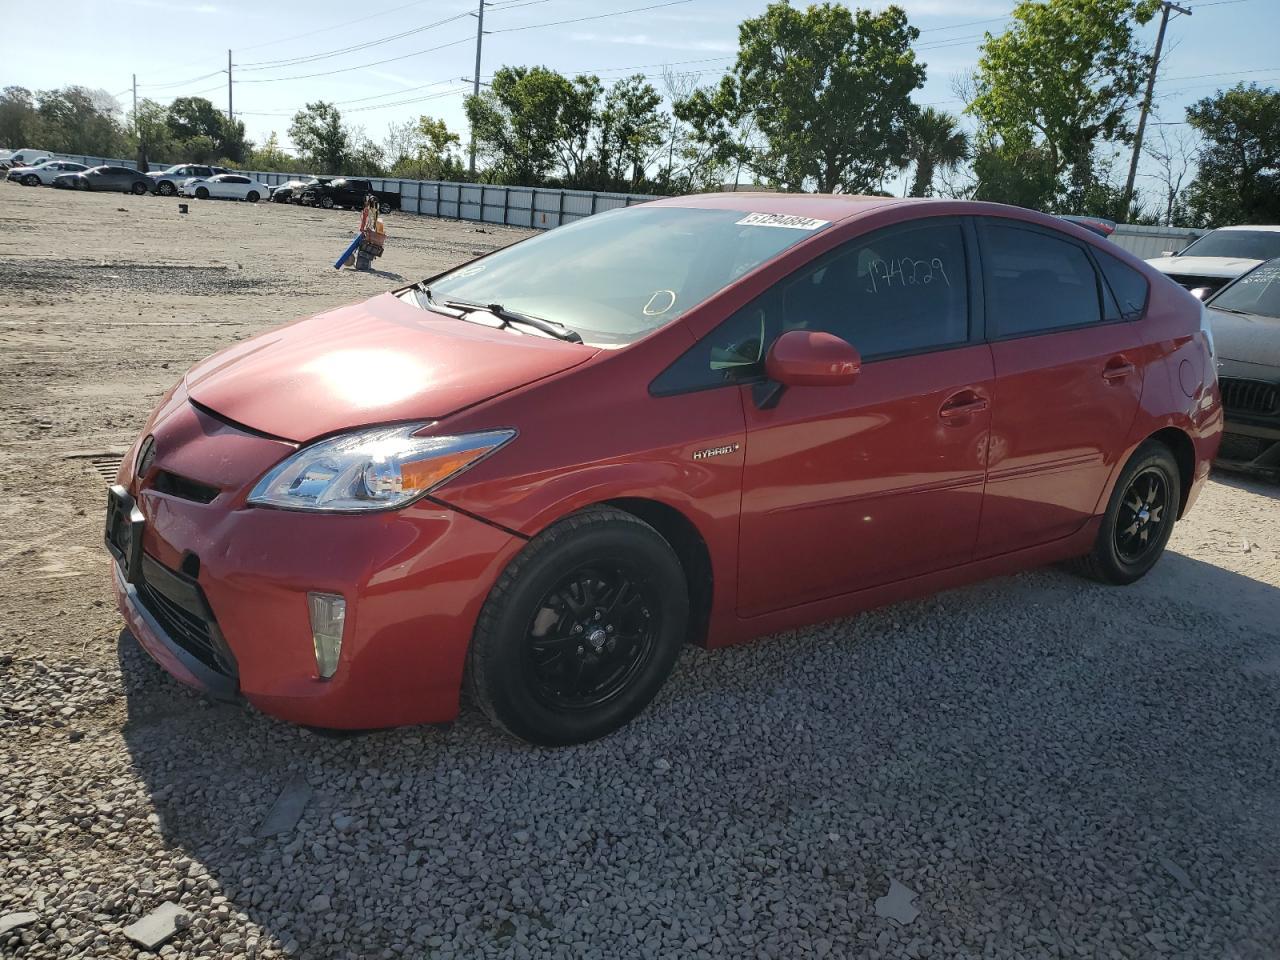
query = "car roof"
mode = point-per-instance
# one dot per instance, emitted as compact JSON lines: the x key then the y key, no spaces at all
{"x":1267,"y":227}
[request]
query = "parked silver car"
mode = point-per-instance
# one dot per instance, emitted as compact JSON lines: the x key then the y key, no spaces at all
{"x":45,"y":172}
{"x":106,"y":177}
{"x":169,"y":182}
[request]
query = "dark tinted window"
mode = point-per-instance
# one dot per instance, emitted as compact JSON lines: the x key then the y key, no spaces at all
{"x":1035,"y":282}
{"x":1127,"y":284}
{"x":897,"y":291}
{"x":1250,"y":244}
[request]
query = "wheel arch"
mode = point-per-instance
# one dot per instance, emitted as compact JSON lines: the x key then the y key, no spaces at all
{"x":691,"y":548}
{"x":1183,"y":449}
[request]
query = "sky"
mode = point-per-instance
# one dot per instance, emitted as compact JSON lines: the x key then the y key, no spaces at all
{"x":179,"y":48}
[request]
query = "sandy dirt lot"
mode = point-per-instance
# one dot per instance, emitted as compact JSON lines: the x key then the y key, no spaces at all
{"x":1050,"y":767}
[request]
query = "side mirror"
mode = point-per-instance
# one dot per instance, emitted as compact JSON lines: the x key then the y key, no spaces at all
{"x":806,"y":358}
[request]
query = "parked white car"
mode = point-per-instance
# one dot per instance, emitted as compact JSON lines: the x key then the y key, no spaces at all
{"x":228,"y":186}
{"x":44,"y":172}
{"x":1221,"y":255}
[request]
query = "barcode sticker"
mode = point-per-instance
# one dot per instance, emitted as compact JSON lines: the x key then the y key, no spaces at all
{"x":781,"y":220}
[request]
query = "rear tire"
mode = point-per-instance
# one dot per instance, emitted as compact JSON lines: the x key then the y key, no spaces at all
{"x":384,"y":207}
{"x":252,"y":196}
{"x":581,"y":630}
{"x":326,"y":202}
{"x":1139,"y":518}
{"x":139,"y":188}
{"x":166,"y":189}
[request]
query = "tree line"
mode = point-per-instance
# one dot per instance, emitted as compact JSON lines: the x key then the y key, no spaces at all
{"x":817,"y":99}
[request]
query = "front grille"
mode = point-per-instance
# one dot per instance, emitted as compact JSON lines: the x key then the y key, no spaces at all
{"x":184,"y":487}
{"x":1191,"y":281}
{"x":179,"y":606}
{"x":1253,"y":397}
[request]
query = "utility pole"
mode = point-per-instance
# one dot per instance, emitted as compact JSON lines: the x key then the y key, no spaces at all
{"x":230,"y":114}
{"x":137,"y":130}
{"x":475,"y":80}
{"x":135,"y":103}
{"x":1165,"y":7}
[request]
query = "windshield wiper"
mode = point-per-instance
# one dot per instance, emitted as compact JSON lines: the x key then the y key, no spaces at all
{"x":508,"y":317}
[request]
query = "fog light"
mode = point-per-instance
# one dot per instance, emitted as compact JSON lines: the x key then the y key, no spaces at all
{"x":328,"y":616}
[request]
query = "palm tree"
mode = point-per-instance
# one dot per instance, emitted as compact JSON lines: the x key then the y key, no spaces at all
{"x":935,"y":142}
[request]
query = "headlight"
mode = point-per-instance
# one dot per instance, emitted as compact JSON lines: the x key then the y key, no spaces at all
{"x":379,"y":469}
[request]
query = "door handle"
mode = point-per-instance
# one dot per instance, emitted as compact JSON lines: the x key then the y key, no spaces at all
{"x":1118,"y":368}
{"x":958,"y":408}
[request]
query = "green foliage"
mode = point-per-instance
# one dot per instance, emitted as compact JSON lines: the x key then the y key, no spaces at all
{"x":1015,"y":171}
{"x":1063,"y":77}
{"x":1239,"y":176}
{"x":631,"y":128}
{"x":934,"y":142}
{"x":423,"y":149}
{"x":270,"y":156}
{"x":19,"y":119}
{"x":828,"y":91}
{"x":201,"y":133}
{"x":69,"y":120}
{"x":318,"y":133}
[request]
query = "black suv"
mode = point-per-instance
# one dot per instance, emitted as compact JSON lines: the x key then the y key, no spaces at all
{"x":348,"y":192}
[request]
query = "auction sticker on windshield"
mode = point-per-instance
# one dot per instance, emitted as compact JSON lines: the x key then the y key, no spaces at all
{"x":781,"y":220}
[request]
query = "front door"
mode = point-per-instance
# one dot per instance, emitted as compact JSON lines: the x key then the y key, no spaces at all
{"x":854,"y":486}
{"x":1068,"y":380}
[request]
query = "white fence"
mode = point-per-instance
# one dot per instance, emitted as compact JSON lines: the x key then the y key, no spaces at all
{"x":547,"y":207}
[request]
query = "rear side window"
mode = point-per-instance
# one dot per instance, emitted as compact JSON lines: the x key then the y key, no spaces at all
{"x":1129,"y":287}
{"x":1036,"y":283}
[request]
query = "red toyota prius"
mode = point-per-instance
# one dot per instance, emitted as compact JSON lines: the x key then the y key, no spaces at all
{"x":700,"y":419}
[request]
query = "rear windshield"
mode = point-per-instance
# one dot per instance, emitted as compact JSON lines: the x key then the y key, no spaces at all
{"x":616,"y":276}
{"x":1247,"y":244}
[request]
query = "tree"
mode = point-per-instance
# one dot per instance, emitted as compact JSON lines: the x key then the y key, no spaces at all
{"x":79,"y":120}
{"x":19,"y":118}
{"x":1174,"y":156}
{"x":1063,"y":77}
{"x":530,"y":119}
{"x":318,"y":133}
{"x":271,"y":156}
{"x":1239,"y":176}
{"x":934,"y":142}
{"x":631,"y":129}
{"x":151,"y":136}
{"x":829,"y":91}
{"x":1016,"y":171}
{"x":423,"y":149}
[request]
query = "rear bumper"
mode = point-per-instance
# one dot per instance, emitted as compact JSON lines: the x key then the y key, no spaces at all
{"x":1250,"y":448}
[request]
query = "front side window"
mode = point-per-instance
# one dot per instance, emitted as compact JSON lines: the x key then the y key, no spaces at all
{"x":618,"y":275}
{"x":1035,"y":282}
{"x":897,"y":291}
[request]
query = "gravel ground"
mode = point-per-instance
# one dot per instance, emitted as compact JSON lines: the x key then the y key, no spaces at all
{"x":1037,"y":766}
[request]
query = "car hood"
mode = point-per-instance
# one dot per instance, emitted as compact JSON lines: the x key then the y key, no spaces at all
{"x":1204,"y":266}
{"x":1250,"y":337}
{"x":380,"y":361}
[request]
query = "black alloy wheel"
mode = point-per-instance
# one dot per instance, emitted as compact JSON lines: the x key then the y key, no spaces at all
{"x":1144,"y":509}
{"x":581,"y":630}
{"x":590,"y":635}
{"x":1139,"y":520}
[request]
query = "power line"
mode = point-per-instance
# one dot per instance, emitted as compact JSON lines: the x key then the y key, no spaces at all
{"x":309,"y":58}
{"x":344,"y":23}
{"x":183,"y":83}
{"x":594,"y":16}
{"x":359,"y":66}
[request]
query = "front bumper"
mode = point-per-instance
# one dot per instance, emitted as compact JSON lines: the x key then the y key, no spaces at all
{"x":414,"y":580}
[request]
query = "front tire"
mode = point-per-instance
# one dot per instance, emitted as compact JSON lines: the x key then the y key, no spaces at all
{"x":202,"y":193}
{"x":384,"y":207}
{"x":139,"y":188}
{"x":31,"y":180}
{"x":581,"y":630}
{"x":166,"y":189}
{"x":326,"y":202}
{"x":1139,"y":518}
{"x":252,"y":196}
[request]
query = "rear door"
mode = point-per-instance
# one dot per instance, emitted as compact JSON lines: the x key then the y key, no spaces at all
{"x":1069,"y":371}
{"x":850,"y":487}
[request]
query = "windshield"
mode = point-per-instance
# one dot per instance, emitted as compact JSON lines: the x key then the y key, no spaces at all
{"x":1248,"y":244}
{"x":616,"y":276}
{"x":1258,"y":291}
